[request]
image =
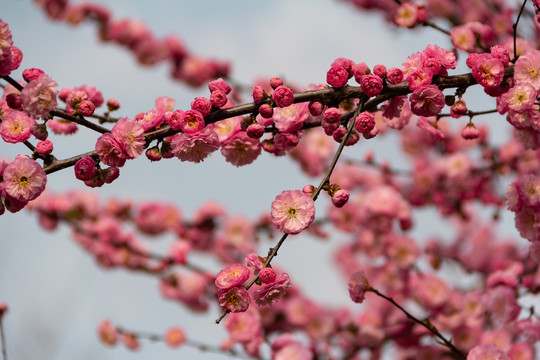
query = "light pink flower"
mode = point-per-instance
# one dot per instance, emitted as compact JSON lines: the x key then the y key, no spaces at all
{"x":240,"y":149}
{"x":165,"y":104}
{"x":358,"y":286}
{"x":227,"y":128}
{"x":62,"y":126}
{"x":291,"y":118}
{"x":397,"y":112}
{"x":235,"y":299}
{"x":110,"y":151}
{"x":463,"y":38}
{"x":293,"y":211}
{"x":487,"y":352}
{"x":265,"y":294}
{"x":16,"y":127}
{"x":521,"y":97}
{"x":152,"y":119}
{"x":195,"y":147}
{"x":38,"y":97}
{"x":130,"y":135}
{"x":427,"y":100}
{"x":433,"y":131}
{"x":233,"y":275}
{"x":175,"y":336}
{"x":107,"y":333}
{"x":488,"y":71}
{"x":24,"y":179}
{"x":405,"y":15}
{"x":527,"y":69}
{"x":529,"y":189}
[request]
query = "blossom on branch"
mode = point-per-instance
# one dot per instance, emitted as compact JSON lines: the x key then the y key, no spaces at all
{"x":293,"y":211}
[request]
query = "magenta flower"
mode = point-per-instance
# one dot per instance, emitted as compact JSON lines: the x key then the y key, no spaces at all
{"x":358,"y":286}
{"x":130,"y":135}
{"x":292,"y":211}
{"x":240,"y":149}
{"x":38,"y":97}
{"x":337,"y":76}
{"x":265,"y":294}
{"x":340,"y":198}
{"x":371,"y":85}
{"x":191,"y":122}
{"x":283,"y":96}
{"x":195,"y":147}
{"x":202,"y":104}
{"x":433,"y":131}
{"x":235,"y":299}
{"x":233,"y":275}
{"x":16,"y":127}
{"x":85,"y":168}
{"x":110,"y":151}
{"x":24,"y":179}
{"x":427,"y":100}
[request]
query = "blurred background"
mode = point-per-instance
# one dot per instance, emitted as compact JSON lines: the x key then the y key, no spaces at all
{"x":56,"y":293}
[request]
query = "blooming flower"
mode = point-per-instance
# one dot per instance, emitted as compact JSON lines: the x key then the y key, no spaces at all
{"x":233,"y":275}
{"x":427,"y":100}
{"x":130,"y":135}
{"x":195,"y":147}
{"x":487,"y":352}
{"x":240,"y":149}
{"x":24,"y":179}
{"x":175,"y":336}
{"x":110,"y":151}
{"x":191,"y":122}
{"x":107,"y":333}
{"x":527,"y":69}
{"x":290,"y":118}
{"x":358,"y":286}
{"x":292,"y":211}
{"x":62,"y":127}
{"x":235,"y":299}
{"x":265,"y":294}
{"x":521,"y":97}
{"x":38,"y":97}
{"x":16,"y":127}
{"x":432,"y":129}
{"x":488,"y":70}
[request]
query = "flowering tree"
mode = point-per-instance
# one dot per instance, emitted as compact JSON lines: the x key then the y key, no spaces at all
{"x":414,"y":304}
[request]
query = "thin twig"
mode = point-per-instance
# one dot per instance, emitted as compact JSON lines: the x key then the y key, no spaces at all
{"x":514,"y":27}
{"x":425,"y":323}
{"x":3,"y":339}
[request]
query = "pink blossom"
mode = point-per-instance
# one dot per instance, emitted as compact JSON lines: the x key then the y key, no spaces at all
{"x":258,"y":94}
{"x":371,"y":85}
{"x":265,"y":294}
{"x":225,"y":129}
{"x":152,"y":119}
{"x":235,"y":299}
{"x":527,"y":69}
{"x":529,"y":189}
{"x":528,"y":224}
{"x":431,"y":128}
{"x":487,"y":352}
{"x":233,"y":275}
{"x":364,"y":122}
{"x":38,"y":97}
{"x":33,"y":73}
{"x":397,"y":112}
{"x":267,"y":275}
{"x":283,"y":96}
{"x":332,"y":115}
{"x":427,"y":100}
{"x":419,"y":78}
{"x":174,"y":337}
{"x":16,"y":127}
{"x":110,"y":151}
{"x":24,"y":179}
{"x":202,"y":104}
{"x":130,"y":135}
{"x":219,"y":84}
{"x":521,"y":97}
{"x":191,"y":122}
{"x":292,"y":211}
{"x":218,"y":98}
{"x":406,"y":15}
{"x":266,"y":111}
{"x":359,"y":71}
{"x":240,"y":149}
{"x":62,"y":126}
{"x":470,"y":132}
{"x":94,"y":95}
{"x":488,"y":71}
{"x":337,"y":76}
{"x":394,"y":76}
{"x":458,"y":109}
{"x":107,"y":333}
{"x":255,"y":130}
{"x":290,"y":118}
{"x":358,"y":286}
{"x":340,"y":198}
{"x":164,"y":104}
{"x":345,"y":63}
{"x":256,"y":262}
{"x":293,"y":351}
{"x":44,"y":147}
{"x":195,"y":147}
{"x":276,"y":82}
{"x":130,"y":341}
{"x":85,"y":168}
